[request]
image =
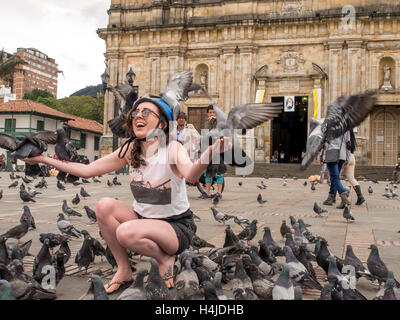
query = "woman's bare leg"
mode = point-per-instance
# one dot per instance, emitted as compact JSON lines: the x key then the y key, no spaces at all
{"x":152,"y":238}
{"x":110,"y":215}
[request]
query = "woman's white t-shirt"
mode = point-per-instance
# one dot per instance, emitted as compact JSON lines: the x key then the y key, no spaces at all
{"x":157,"y":191}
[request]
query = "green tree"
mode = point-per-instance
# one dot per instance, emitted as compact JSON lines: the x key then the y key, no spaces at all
{"x":83,"y":106}
{"x":48,"y":101}
{"x":35,"y":94}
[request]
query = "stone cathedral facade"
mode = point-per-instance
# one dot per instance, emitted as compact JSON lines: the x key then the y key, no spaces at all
{"x":237,"y":48}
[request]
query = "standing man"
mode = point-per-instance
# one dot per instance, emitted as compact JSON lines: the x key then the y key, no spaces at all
{"x":186,"y":134}
{"x":211,"y":124}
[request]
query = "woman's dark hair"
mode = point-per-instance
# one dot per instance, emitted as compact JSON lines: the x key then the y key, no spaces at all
{"x":210,"y":107}
{"x":136,"y":159}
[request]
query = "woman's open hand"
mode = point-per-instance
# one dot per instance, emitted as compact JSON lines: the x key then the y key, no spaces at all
{"x":34,"y":160}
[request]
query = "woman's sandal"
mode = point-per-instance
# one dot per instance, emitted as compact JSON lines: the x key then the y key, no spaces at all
{"x":122,"y":285}
{"x":167,"y":276}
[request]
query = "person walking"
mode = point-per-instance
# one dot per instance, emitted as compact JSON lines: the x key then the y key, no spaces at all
{"x":349,"y":170}
{"x":335,"y":155}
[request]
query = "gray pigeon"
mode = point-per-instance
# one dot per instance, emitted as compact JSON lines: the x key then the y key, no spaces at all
{"x":241,"y":221}
{"x":262,"y":287}
{"x":155,"y":288}
{"x":260,"y":199}
{"x":376,"y":266}
{"x":318,"y":210}
{"x":298,"y":272}
{"x":85,"y":255}
{"x":91,"y":214}
{"x":60,"y":186}
{"x":96,"y":288}
{"x":136,"y":290}
{"x":66,"y":227}
{"x":76,"y":200}
{"x":219,"y":216}
{"x":83,"y":193}
{"x":264,"y":267}
{"x":65,"y":150}
{"x":25,"y":196}
{"x":42,"y":259}
{"x":326,"y":292}
{"x":197,"y":243}
{"x":370,"y":190}
{"x":187,"y":282}
{"x":31,"y":146}
{"x":4,"y":251}
{"x":27,"y":215}
{"x":17,"y":232}
{"x":1,"y":193}
{"x":242,"y":286}
{"x":218,"y":287}
{"x":283,"y":288}
{"x":344,"y":113}
{"x":69,"y":211}
{"x":352,"y":260}
{"x":13,"y":185}
{"x":347,"y":214}
{"x":210,"y":292}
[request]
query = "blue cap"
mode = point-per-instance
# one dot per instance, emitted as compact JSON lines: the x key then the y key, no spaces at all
{"x":165,"y":108}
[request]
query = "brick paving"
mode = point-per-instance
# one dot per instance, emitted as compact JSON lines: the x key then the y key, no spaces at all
{"x":377,"y":221}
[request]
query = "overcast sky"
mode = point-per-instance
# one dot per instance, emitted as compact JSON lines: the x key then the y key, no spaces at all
{"x":63,"y":30}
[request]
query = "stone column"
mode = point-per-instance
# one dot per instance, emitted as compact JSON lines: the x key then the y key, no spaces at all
{"x":335,"y":49}
{"x":228,"y":80}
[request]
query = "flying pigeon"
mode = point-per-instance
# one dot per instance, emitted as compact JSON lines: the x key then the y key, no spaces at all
{"x":318,"y":210}
{"x":31,"y":146}
{"x":344,"y":113}
{"x":65,"y":150}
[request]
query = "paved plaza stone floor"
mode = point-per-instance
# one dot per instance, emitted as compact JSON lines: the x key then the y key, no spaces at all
{"x":377,"y":221}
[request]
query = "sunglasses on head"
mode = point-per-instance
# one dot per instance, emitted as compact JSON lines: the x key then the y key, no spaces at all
{"x":145,"y":113}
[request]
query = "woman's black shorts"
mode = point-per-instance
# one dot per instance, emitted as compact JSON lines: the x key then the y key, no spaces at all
{"x":184,"y":227}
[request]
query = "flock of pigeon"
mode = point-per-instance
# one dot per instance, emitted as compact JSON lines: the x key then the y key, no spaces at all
{"x":252,"y":271}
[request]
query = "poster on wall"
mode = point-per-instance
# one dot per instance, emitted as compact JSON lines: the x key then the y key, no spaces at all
{"x":289,"y":104}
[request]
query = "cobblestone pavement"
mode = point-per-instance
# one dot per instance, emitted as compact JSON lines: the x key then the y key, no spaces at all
{"x":377,"y":221}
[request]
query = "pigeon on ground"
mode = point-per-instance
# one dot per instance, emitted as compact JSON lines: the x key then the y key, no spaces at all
{"x":267,"y":239}
{"x":283,"y":288}
{"x":241,"y":221}
{"x":76,"y":183}
{"x":197,"y":243}
{"x":83,"y":193}
{"x":370,"y":190}
{"x":216,"y":200}
{"x":26,"y":180}
{"x":298,"y":272}
{"x":136,"y":290}
{"x":155,"y":288}
{"x":109,"y":183}
{"x":42,"y":184}
{"x":376,"y":266}
{"x":17,"y":232}
{"x":260,"y":199}
{"x":352,"y":260}
{"x":25,"y":196}
{"x":249,"y":232}
{"x":231,"y":238}
{"x":42,"y":260}
{"x":318,"y":210}
{"x":85,"y":181}
{"x":60,"y":186}
{"x":313,"y":186}
{"x":96,"y":289}
{"x":91,"y":214}
{"x":95,"y":245}
{"x":347,"y":214}
{"x":187,"y":282}
{"x":69,"y":211}
{"x":65,"y":150}
{"x":219,"y":216}
{"x":66,"y":227}
{"x":31,"y":146}
{"x":344,"y":113}
{"x":218,"y":287}
{"x":305,"y":183}
{"x":110,"y":259}
{"x":326,"y":292}
{"x":323,"y":254}
{"x":262,"y":287}
{"x":284,"y":229}
{"x":264,"y":267}
{"x":242,"y":286}
{"x":63,"y":250}
{"x":13,"y":185}
{"x":265,"y":253}
{"x":76,"y":200}
{"x":4,"y":251}
{"x":115,"y":181}
{"x":96,"y":180}
{"x":27,"y":215}
{"x":210,"y":291}
{"x":85,"y":255}
{"x":1,"y":193}
{"x":20,"y":251}
{"x":240,"y":183}
{"x":54,"y":239}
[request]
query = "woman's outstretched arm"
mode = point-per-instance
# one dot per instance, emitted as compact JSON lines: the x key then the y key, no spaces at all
{"x":192,"y":171}
{"x":109,"y":163}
